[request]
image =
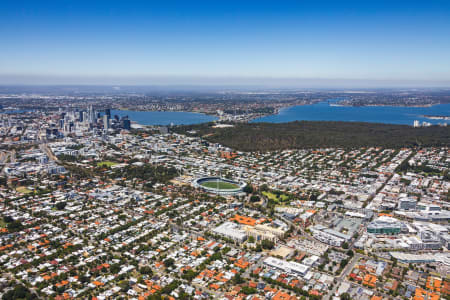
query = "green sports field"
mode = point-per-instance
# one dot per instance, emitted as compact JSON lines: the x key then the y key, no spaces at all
{"x":275,"y":197}
{"x":106,"y":164}
{"x":222,"y":185}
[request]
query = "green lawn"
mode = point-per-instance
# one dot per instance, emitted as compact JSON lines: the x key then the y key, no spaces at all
{"x":273,"y":196}
{"x":23,"y":190}
{"x":222,"y":185}
{"x":106,"y":164}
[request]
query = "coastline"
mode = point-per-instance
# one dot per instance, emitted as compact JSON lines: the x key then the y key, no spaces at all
{"x":388,"y":105}
{"x":432,"y":117}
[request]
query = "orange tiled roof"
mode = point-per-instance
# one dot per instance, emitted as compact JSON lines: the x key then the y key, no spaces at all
{"x":282,"y":296}
{"x":244,"y":220}
{"x":242,"y":264}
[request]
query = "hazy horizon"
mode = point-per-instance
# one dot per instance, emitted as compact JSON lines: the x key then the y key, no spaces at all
{"x":238,"y":82}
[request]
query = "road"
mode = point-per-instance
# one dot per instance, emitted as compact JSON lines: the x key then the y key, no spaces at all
{"x":7,"y":157}
{"x":11,"y":277}
{"x":348,"y":268}
{"x":44,"y":148}
{"x":13,"y":156}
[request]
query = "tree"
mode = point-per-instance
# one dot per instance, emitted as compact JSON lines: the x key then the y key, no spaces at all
{"x":248,"y":290}
{"x":248,"y":189}
{"x":146,"y":270}
{"x":254,"y":198}
{"x":264,"y":188}
{"x":345,"y":296}
{"x":188,"y":275}
{"x":8,"y":219}
{"x":266,"y":244}
{"x":251,"y":239}
{"x":394,"y":262}
{"x":124,"y":285}
{"x":345,"y":245}
{"x":61,"y":205}
{"x":169,"y":262}
{"x":237,"y":279}
{"x":14,"y":226}
{"x":344,"y":262}
{"x":19,"y":292}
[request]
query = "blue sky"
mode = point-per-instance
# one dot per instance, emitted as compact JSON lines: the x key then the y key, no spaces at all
{"x":140,"y":41}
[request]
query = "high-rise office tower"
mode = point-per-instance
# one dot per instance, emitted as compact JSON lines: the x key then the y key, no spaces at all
{"x":105,"y":122}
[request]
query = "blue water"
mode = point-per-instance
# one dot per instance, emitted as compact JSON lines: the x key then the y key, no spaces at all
{"x":374,"y":114}
{"x":164,"y":117}
{"x":16,"y":111}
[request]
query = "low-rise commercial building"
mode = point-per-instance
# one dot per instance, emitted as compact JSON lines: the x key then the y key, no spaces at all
{"x":286,"y":266}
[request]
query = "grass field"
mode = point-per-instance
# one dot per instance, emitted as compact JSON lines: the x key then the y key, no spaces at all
{"x":275,"y":198}
{"x":106,"y":164}
{"x":23,"y":190}
{"x":222,"y":185}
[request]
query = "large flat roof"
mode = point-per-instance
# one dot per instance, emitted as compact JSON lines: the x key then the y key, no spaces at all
{"x":287,"y":266}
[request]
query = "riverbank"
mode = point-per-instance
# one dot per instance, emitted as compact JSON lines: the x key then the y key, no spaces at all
{"x":437,"y":117}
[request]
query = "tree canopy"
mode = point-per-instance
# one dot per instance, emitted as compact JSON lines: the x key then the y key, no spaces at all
{"x":316,"y":134}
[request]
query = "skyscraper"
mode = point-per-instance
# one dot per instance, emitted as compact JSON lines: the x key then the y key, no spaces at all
{"x":126,"y":123}
{"x":91,"y":114}
{"x":105,"y":122}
